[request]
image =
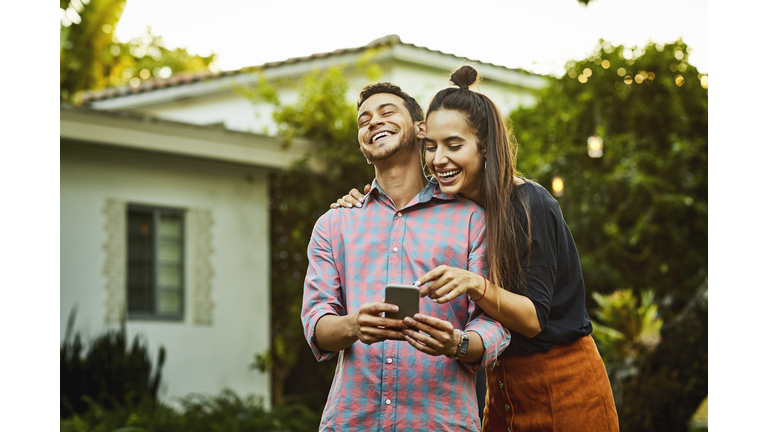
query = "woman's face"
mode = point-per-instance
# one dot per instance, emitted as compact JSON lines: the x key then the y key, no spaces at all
{"x":452,"y":154}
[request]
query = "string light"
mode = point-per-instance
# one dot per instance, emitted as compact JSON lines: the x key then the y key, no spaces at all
{"x":557,"y":186}
{"x":595,"y":146}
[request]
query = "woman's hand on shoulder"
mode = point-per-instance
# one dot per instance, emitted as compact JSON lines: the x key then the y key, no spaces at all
{"x":445,"y":283}
{"x":354,"y":198}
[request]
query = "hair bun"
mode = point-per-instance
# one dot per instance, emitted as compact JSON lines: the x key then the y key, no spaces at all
{"x":464,"y":77}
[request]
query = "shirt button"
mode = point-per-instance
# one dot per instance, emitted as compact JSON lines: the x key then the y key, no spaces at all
{"x":395,"y":249}
{"x":389,"y":360}
{"x":399,"y":214}
{"x":506,"y":407}
{"x":389,"y":402}
{"x":501,"y":385}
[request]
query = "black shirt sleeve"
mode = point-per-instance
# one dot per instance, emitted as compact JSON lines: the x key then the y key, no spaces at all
{"x":553,"y":276}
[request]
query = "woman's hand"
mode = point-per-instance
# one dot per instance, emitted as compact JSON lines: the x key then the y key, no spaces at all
{"x":446,"y":283}
{"x":355,"y":198}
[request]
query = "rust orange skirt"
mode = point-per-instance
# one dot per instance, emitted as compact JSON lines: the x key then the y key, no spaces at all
{"x":565,"y":389}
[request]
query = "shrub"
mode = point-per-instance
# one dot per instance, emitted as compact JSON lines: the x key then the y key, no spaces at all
{"x":226,"y":412}
{"x":109,"y":374}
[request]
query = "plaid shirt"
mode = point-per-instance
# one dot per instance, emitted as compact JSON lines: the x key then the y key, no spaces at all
{"x":353,"y":254}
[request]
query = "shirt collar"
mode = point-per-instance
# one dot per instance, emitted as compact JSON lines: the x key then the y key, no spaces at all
{"x":431,"y":190}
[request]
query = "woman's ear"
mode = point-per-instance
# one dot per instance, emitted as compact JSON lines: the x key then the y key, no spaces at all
{"x":421,"y":129}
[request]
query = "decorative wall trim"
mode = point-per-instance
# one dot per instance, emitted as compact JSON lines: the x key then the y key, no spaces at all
{"x":115,"y":259}
{"x":202,"y":251}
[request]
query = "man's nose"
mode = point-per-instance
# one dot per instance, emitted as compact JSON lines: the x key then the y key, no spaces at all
{"x":375,"y":121}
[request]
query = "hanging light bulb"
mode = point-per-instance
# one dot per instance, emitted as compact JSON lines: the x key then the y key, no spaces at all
{"x":557,"y":186}
{"x":595,"y":146}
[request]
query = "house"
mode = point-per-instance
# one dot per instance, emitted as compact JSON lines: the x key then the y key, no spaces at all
{"x":164,"y":204}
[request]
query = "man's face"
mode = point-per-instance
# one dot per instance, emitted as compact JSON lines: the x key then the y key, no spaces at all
{"x":384,"y":126}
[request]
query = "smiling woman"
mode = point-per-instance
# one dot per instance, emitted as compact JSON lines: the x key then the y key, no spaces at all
{"x":452,"y":154}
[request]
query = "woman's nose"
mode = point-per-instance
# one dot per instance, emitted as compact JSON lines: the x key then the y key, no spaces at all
{"x":440,"y":156}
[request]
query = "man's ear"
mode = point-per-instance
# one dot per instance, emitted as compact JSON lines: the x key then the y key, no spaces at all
{"x":421,"y":129}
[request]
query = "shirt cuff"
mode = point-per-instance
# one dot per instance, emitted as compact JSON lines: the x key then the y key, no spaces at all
{"x":495,"y":339}
{"x":320,"y":354}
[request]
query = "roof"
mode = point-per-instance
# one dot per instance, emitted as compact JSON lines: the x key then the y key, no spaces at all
{"x":183,"y":79}
{"x":139,"y":132}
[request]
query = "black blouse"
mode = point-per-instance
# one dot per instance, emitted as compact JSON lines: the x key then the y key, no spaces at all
{"x":553,"y":279}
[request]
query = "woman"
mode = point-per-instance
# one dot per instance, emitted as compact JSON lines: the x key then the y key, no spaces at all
{"x":551,"y":376}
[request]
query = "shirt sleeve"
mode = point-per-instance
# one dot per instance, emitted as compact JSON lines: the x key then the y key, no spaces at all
{"x":323,"y":293}
{"x":494,"y":336}
{"x":541,"y":270}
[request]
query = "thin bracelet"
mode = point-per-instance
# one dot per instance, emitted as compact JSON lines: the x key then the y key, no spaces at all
{"x":485,"y":286}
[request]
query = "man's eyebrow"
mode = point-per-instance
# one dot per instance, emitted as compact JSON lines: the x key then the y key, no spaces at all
{"x":382,"y":106}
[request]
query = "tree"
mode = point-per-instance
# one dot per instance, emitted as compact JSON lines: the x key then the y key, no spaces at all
{"x":638,"y":214}
{"x":92,"y":58}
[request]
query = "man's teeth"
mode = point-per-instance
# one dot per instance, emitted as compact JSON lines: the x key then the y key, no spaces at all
{"x":381,"y":135}
{"x":449,"y":173}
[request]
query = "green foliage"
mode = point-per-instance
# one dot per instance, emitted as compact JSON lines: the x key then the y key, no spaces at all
{"x":625,"y":331}
{"x":638,"y":214}
{"x":644,"y":203}
{"x":298,"y":197}
{"x":82,"y":44}
{"x":92,"y":58}
{"x":109,"y":373}
{"x":625,"y":334}
{"x":226,"y":412}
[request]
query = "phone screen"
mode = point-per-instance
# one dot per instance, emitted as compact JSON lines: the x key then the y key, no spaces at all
{"x":406,"y":297}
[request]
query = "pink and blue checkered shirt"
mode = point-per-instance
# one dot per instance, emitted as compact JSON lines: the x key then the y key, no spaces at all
{"x":353,"y":254}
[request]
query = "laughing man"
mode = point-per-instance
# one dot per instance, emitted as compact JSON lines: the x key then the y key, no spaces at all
{"x":414,"y":374}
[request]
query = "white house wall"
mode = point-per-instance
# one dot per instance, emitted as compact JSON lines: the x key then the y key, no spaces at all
{"x":234,"y":110}
{"x":423,"y":83}
{"x":237,"y":113}
{"x":200,"y":358}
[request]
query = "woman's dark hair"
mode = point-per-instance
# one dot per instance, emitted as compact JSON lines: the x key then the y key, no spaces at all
{"x":507,"y":228}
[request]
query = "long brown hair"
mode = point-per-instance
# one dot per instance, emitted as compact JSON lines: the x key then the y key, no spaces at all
{"x":507,"y":229}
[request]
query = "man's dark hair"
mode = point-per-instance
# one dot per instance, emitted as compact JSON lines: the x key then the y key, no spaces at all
{"x":385,"y":87}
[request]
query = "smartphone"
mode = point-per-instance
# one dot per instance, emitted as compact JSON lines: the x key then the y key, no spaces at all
{"x":406,"y":297}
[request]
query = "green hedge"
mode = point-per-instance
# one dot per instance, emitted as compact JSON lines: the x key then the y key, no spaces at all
{"x":226,"y":412}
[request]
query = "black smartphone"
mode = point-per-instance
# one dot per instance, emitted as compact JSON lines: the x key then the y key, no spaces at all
{"x":406,"y":297}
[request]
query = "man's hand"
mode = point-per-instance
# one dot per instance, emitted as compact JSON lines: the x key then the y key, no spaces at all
{"x":440,"y":338}
{"x":370,"y":327}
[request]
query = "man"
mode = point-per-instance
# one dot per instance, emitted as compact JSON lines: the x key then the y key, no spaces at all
{"x":411,"y":374}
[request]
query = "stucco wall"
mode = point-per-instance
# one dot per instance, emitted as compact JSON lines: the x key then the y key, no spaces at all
{"x":237,"y":113}
{"x":200,"y":358}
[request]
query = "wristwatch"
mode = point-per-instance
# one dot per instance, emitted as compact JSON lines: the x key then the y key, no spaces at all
{"x":461,"y":350}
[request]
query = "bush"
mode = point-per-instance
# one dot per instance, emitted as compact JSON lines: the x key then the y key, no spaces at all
{"x":108,"y":375}
{"x":226,"y":412}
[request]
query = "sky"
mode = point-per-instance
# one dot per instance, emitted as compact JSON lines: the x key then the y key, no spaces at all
{"x":538,"y":36}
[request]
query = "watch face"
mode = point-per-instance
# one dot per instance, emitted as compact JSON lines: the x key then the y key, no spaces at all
{"x":464,"y":343}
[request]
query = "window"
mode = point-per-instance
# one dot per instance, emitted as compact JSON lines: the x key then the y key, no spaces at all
{"x":155,"y":263}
